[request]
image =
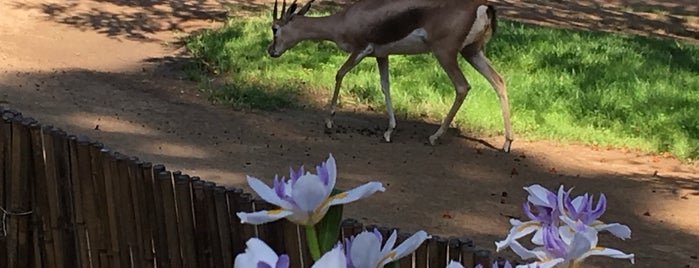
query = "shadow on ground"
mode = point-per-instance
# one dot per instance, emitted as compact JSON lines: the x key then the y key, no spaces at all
{"x":462,"y":177}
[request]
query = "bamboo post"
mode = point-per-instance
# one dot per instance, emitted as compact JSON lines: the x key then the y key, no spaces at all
{"x":79,"y":171}
{"x":19,"y":203}
{"x":165,"y":181}
{"x":224,"y":224}
{"x":421,"y":260}
{"x":453,"y":249}
{"x":160,"y":239}
{"x":468,"y":258}
{"x":45,"y":252}
{"x":203,"y":249}
{"x":183,"y":192}
{"x":66,"y":226}
{"x":238,"y":245}
{"x":5,"y":170}
{"x":101,"y":237}
{"x":148,"y":221}
{"x":438,"y":251}
{"x":111,"y":195}
{"x":213,"y":234}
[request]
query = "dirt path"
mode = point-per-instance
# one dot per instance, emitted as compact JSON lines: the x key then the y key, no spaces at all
{"x":104,"y":69}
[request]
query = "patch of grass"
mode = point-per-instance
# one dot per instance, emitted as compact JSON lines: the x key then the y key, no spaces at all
{"x":598,"y":88}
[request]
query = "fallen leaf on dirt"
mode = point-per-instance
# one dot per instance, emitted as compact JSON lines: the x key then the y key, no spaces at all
{"x":522,"y":156}
{"x":478,"y":151}
{"x":647,"y":213}
{"x":514,"y":172}
{"x":97,"y":127}
{"x":595,"y":148}
{"x":603,"y":160}
{"x":655,"y":173}
{"x":685,"y":197}
{"x":656,"y":159}
{"x":446,"y":215}
{"x":553,"y":170}
{"x":694,"y":257}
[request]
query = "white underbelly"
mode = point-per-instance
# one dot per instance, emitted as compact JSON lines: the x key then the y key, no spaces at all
{"x":414,"y":43}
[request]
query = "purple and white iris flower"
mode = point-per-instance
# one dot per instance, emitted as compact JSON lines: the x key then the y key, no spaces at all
{"x":547,"y":212}
{"x":258,"y":254}
{"x":567,"y":246}
{"x":364,"y":250}
{"x":305,"y":197}
{"x":453,"y":264}
{"x":566,"y":230}
{"x":581,"y":209}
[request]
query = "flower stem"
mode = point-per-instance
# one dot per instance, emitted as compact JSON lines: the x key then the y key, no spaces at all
{"x":312,"y":239}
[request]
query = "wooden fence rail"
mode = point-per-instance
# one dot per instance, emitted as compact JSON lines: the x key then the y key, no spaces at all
{"x":69,"y":202}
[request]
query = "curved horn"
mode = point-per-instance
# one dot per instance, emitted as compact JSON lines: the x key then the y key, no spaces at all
{"x":283,"y":9}
{"x":274,"y":13}
{"x":305,"y":8}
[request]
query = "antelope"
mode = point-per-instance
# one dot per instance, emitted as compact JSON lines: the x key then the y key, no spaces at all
{"x":379,"y":28}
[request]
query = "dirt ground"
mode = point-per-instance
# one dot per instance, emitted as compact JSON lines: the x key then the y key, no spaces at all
{"x":109,"y":70}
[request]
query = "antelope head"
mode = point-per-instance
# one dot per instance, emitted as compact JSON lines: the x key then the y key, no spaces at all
{"x":285,"y":35}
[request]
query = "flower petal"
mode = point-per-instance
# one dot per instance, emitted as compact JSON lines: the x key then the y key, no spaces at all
{"x":540,"y":196}
{"x":618,"y":230}
{"x":262,"y":216}
{"x":355,"y":194}
{"x":390,"y":242}
{"x":453,"y":264}
{"x":266,"y":193}
{"x":365,"y":250}
{"x":334,"y":258}
{"x":410,"y":244}
{"x":609,"y":252}
{"x":256,"y":251}
{"x":518,"y":230}
{"x":309,"y":192}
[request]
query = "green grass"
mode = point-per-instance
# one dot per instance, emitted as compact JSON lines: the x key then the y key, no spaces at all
{"x":590,"y":87}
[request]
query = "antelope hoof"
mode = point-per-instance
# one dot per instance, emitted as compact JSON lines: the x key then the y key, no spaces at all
{"x":387,"y":135}
{"x":433,"y":139}
{"x":507,"y":145}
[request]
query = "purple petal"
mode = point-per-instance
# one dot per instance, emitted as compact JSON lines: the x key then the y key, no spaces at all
{"x":263,"y":265}
{"x":553,"y":243}
{"x":378,"y":235}
{"x":323,"y":173}
{"x":279,"y":187}
{"x":598,"y":211}
{"x":283,"y":261}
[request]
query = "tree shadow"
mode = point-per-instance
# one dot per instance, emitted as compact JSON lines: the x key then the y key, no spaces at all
{"x":648,"y":18}
{"x":131,"y":19}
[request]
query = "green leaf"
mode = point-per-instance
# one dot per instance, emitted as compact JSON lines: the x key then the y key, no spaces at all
{"x":392,"y":265}
{"x":329,"y":227}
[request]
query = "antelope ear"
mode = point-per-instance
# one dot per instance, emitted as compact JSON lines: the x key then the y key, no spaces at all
{"x":305,"y":8}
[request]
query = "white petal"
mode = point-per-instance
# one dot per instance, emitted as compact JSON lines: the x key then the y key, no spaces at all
{"x":518,"y":230}
{"x":365,"y":251}
{"x":256,"y":251}
{"x":618,"y":230}
{"x":309,"y":192}
{"x":263,"y":216}
{"x":390,"y":242}
{"x":332,"y":259}
{"x":524,"y":253}
{"x":453,"y":264}
{"x":579,"y":246}
{"x":538,"y":195}
{"x":410,"y":244}
{"x":332,"y":173}
{"x":267,"y":193}
{"x":357,"y":193}
{"x":609,"y":252}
